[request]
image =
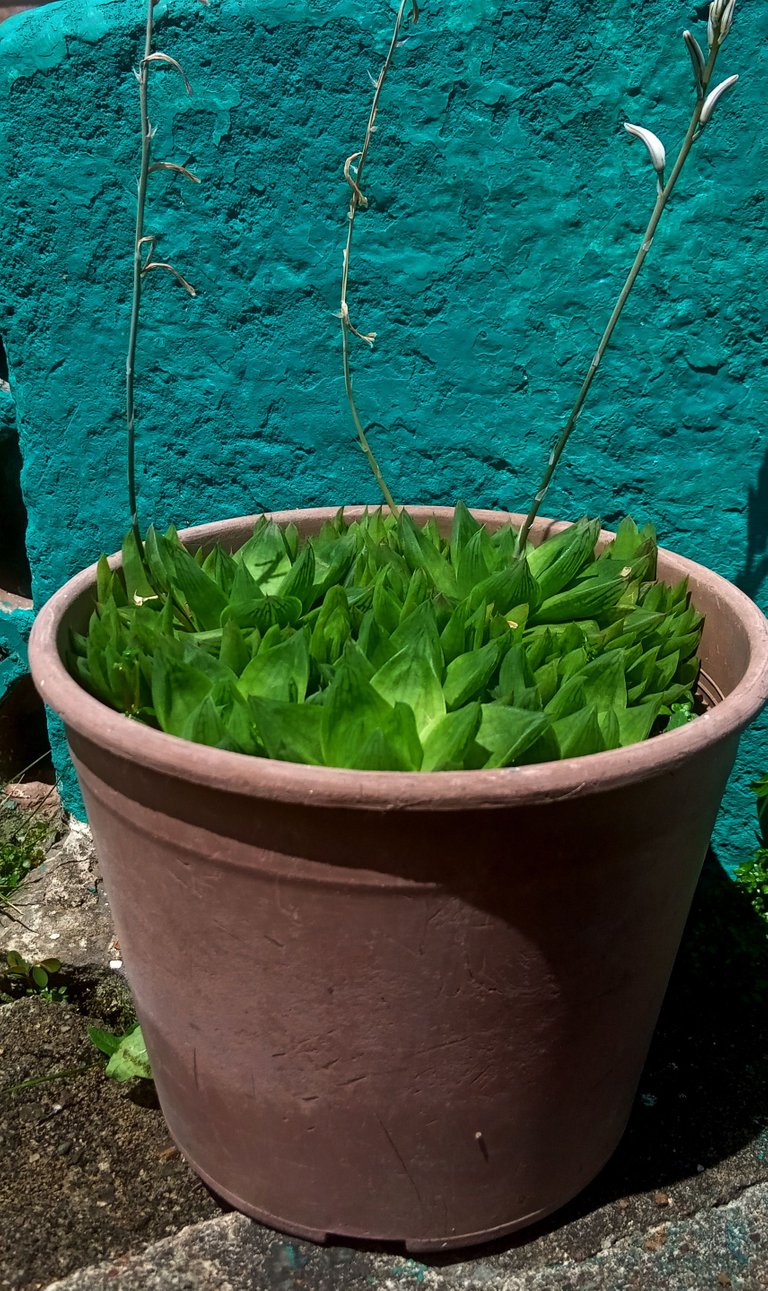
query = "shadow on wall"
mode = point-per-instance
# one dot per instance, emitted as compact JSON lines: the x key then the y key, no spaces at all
{"x":24,"y":746}
{"x":15,"y":573}
{"x":23,"y":730}
{"x":755,"y":569}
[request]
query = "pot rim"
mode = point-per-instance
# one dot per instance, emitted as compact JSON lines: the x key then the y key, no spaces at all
{"x":379,"y":790}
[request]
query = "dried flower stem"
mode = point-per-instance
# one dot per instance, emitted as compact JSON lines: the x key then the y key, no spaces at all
{"x":353,"y":173}
{"x":663,"y":195}
{"x":141,"y":266}
{"x":138,"y":272}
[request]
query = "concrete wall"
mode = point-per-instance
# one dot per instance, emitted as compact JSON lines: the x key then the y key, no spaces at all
{"x":506,"y":202}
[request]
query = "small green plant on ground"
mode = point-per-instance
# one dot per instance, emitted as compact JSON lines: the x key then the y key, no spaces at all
{"x":28,"y":978}
{"x":752,"y":876}
{"x":24,"y":840}
{"x":127,"y":1053}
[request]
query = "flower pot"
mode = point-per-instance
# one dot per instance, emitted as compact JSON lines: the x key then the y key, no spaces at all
{"x":397,"y":1006}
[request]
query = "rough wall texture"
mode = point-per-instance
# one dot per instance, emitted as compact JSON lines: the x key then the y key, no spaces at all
{"x":505,"y":204}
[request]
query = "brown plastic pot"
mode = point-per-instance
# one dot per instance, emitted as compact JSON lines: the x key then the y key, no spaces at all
{"x":393,"y":1005}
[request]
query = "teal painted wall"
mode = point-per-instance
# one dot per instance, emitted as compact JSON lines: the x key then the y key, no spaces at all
{"x":506,"y":201}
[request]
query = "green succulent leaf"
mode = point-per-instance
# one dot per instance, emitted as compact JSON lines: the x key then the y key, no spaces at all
{"x":222,"y":568}
{"x":508,"y":587}
{"x":476,"y":563}
{"x":589,"y":599}
{"x":635,"y":724}
{"x":299,"y":581}
{"x":422,"y":553}
{"x":264,"y":556}
{"x":419,"y":633}
{"x":579,"y":733}
{"x":234,"y":651}
{"x":507,"y":732}
{"x":409,"y":678}
{"x":463,"y":527}
{"x":332,"y":628}
{"x":130,"y":1060}
{"x":470,"y":673}
{"x":448,"y":742}
{"x":178,"y":689}
{"x":204,"y":725}
{"x":604,"y":682}
{"x":279,"y":672}
{"x":200,"y":595}
{"x":556,"y":563}
{"x":360,"y":729}
{"x":681,"y":715}
{"x":290,"y":732}
{"x":134,"y":571}
{"x":395,"y":746}
{"x":517,"y":684}
{"x":105,"y":1041}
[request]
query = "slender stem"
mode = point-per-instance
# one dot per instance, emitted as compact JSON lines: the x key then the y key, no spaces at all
{"x":44,"y":1080}
{"x":130,"y":363}
{"x":664,"y":193}
{"x":355,"y":202}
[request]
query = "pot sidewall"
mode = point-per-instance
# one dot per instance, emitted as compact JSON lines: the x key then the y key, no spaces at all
{"x":428,"y":998}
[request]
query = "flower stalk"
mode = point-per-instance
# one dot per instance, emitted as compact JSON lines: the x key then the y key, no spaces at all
{"x":720,"y":17}
{"x":144,"y":245}
{"x":353,"y":173}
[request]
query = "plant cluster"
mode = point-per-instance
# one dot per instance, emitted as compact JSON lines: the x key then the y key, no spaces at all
{"x":127,"y":1053}
{"x":381,"y":645}
{"x":24,"y":839}
{"x":34,"y":979}
{"x":752,"y":875}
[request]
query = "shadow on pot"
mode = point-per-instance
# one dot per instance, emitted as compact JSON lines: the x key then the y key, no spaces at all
{"x":703,"y":1092}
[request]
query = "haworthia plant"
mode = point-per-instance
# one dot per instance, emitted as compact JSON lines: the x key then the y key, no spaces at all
{"x":381,"y":645}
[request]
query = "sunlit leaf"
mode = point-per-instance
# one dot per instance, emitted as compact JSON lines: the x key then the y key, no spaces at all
{"x":445,"y":747}
{"x":470,"y":673}
{"x":579,"y":734}
{"x":507,"y":732}
{"x":177,"y":690}
{"x":279,"y":672}
{"x":130,"y":1059}
{"x":409,"y":677}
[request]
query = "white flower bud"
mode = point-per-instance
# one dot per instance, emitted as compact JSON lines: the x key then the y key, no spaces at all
{"x":713,"y":21}
{"x":719,"y":20}
{"x":653,"y":144}
{"x":727,"y":19}
{"x":711,"y":99}
{"x":698,"y":61}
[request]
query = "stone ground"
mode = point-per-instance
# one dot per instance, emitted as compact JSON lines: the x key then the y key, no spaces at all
{"x":93,"y":1193}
